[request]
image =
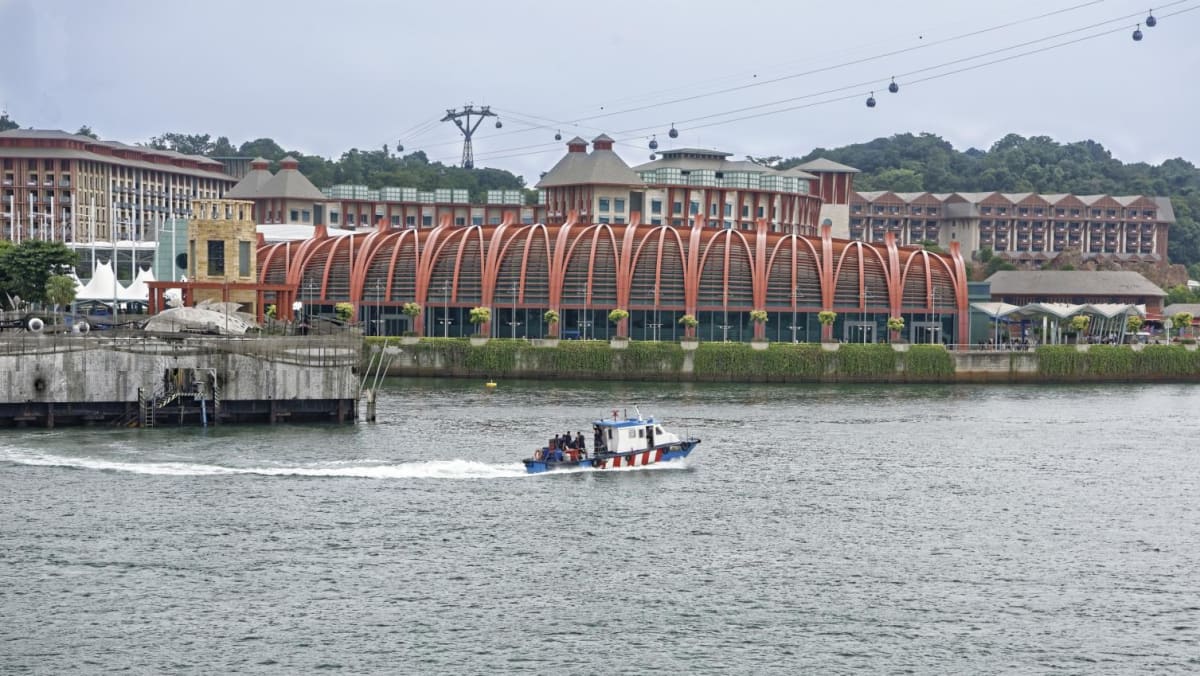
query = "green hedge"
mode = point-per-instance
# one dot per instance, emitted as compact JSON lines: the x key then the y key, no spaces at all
{"x":928,"y":362}
{"x":1117,"y":361}
{"x":804,"y":362}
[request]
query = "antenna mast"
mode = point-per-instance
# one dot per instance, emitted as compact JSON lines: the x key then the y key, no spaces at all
{"x":462,"y":120}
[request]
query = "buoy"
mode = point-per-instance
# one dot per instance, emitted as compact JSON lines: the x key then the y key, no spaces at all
{"x":36,"y":325}
{"x":491,"y":384}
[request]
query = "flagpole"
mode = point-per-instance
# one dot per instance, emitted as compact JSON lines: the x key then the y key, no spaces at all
{"x":52,"y":219}
{"x":92,"y":231}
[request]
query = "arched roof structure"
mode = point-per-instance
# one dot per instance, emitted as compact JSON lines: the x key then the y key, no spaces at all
{"x":619,"y":266}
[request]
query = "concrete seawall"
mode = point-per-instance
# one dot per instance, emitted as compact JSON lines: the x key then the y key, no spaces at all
{"x":778,"y":363}
{"x":53,"y":380}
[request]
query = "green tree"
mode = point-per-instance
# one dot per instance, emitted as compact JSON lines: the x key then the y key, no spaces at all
{"x":7,"y":123}
{"x":60,"y":291}
{"x":1179,"y":294}
{"x":25,"y":268}
{"x":87,"y":131}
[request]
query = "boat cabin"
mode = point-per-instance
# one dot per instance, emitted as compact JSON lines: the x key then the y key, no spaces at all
{"x":630,"y":434}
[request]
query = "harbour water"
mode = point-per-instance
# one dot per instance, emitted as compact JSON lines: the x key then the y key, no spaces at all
{"x":816,"y":530}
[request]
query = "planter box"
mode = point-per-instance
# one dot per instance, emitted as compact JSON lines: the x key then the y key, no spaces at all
{"x":830,"y":347}
{"x":1190,"y":347}
{"x":478,"y":341}
{"x":1082,"y":347}
{"x":689,"y":344}
{"x":618,"y":343}
{"x":409,"y":340}
{"x":759,"y":344}
{"x":545,"y":342}
{"x":1138,"y":347}
{"x":900,"y":347}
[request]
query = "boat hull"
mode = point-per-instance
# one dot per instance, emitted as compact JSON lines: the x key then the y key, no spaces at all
{"x":607,"y":461}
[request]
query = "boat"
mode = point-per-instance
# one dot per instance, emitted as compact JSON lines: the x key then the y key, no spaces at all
{"x":617,"y":442}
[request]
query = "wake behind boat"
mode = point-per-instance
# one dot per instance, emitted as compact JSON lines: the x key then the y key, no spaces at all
{"x":616,"y":443}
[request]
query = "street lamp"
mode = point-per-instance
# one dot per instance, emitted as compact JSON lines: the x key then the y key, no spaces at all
{"x":446,"y":309}
{"x":654,"y":326}
{"x":795,"y":290}
{"x":514,"y":322}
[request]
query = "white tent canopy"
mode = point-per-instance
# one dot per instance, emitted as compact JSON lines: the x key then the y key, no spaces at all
{"x":104,"y":286}
{"x":996,"y":310}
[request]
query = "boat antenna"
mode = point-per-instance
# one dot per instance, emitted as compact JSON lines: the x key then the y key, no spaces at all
{"x":638,"y":411}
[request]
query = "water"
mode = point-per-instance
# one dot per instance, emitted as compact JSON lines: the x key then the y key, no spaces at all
{"x":816,"y":529}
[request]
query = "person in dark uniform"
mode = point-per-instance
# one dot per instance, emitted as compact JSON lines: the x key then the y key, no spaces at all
{"x":597,"y":439}
{"x":580,"y":443}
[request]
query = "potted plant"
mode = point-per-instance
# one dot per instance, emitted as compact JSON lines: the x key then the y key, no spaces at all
{"x":478,"y":317}
{"x":1182,"y":321}
{"x":759,"y":341}
{"x":412,"y":311}
{"x":895,"y":328}
{"x":1079,"y":324}
{"x":689,"y":324}
{"x":618,"y":317}
{"x":827,"y":318}
{"x":551,"y":318}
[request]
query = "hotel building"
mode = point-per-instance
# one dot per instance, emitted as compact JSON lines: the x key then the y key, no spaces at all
{"x":76,"y":189}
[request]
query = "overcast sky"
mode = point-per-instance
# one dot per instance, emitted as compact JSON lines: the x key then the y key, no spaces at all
{"x":322,"y":77}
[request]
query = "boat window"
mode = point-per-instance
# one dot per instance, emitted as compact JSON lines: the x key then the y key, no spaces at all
{"x":610,"y":434}
{"x":657,"y":429}
{"x":641,"y":433}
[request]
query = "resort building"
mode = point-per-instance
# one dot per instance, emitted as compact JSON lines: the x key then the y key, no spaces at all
{"x":678,"y":187}
{"x":583,"y":263}
{"x":76,"y":189}
{"x":1021,"y":227}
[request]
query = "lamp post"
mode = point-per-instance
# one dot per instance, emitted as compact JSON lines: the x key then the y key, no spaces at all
{"x":654,"y":326}
{"x":725,"y":324}
{"x":586,"y":321}
{"x":446,"y":309}
{"x":514,"y":311}
{"x":378,"y":308}
{"x":795,"y":291}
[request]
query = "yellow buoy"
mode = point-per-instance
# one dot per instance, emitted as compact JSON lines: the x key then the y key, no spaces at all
{"x":490,"y":384}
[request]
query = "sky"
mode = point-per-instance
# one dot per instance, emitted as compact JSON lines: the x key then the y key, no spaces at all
{"x":322,"y":77}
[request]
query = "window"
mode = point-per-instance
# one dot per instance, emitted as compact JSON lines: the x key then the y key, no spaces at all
{"x":745,"y":211}
{"x":243,"y":259}
{"x":619,"y":206}
{"x":349,"y":219}
{"x":655,"y":221}
{"x":305,"y":215}
{"x":295,"y":215}
{"x":985,"y":210}
{"x":677,"y":208}
{"x":762,"y":212}
{"x":603,"y":204}
{"x":728,"y":209}
{"x":427,"y":221}
{"x":603,"y":219}
{"x":410,"y":220}
{"x":694,"y":208}
{"x":656,"y":206}
{"x":395,"y":219}
{"x":216,"y":257}
{"x":333,"y":217}
{"x":712,"y":209}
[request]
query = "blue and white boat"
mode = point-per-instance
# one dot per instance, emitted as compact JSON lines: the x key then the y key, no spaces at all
{"x":616,"y":443}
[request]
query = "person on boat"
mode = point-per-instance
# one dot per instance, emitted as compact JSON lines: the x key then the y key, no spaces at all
{"x":580,"y":443}
{"x":597,"y":439}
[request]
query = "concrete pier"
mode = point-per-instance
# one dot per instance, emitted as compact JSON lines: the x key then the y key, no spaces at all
{"x":177,"y":379}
